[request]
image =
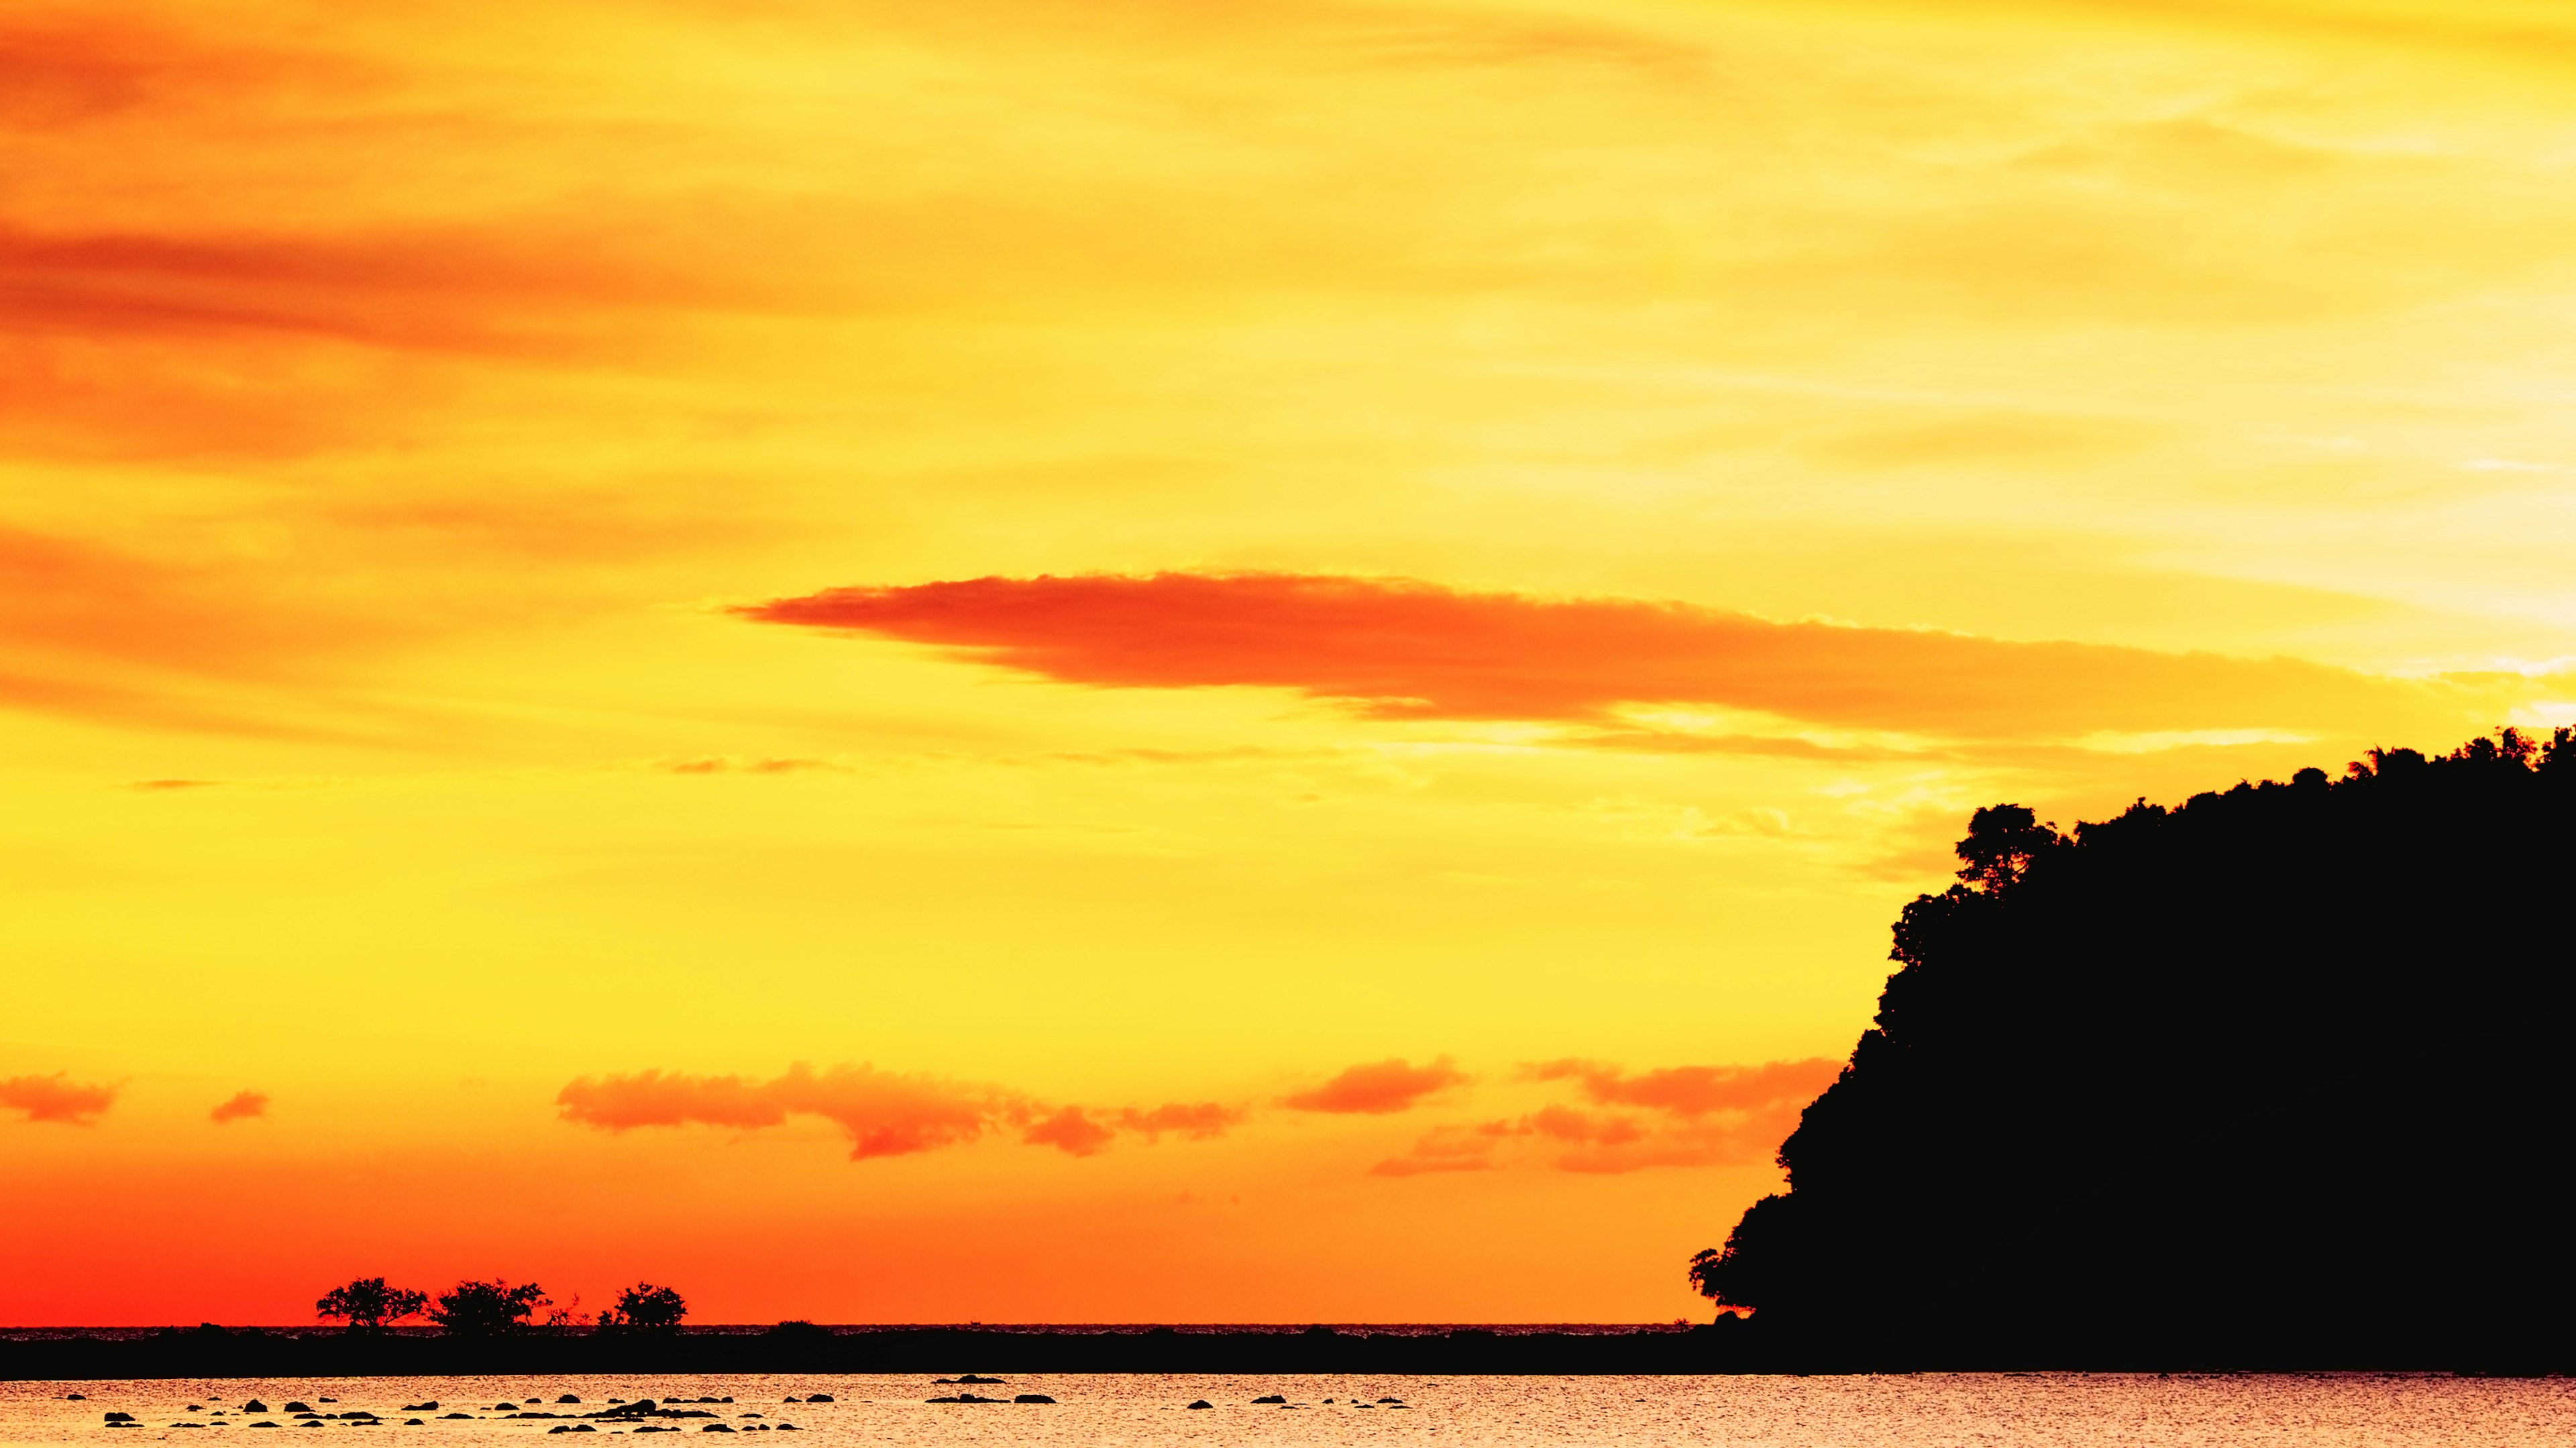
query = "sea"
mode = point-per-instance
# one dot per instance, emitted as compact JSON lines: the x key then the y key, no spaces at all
{"x":1152,"y":1410}
{"x":1926,"y":1410}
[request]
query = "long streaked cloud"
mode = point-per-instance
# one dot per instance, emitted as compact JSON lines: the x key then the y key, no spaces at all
{"x":1678,"y":1116}
{"x":57,"y":1098}
{"x":1402,"y":648}
{"x":884,"y":1113}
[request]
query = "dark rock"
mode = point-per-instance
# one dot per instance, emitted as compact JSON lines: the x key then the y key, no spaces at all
{"x":263,"y":1425}
{"x":1032,"y":1398}
{"x":75,"y":1397}
{"x":715,"y":1428}
{"x":1202,"y":1403}
{"x":818,"y":1397}
{"x":1270,"y":1398}
{"x":791,"y":1400}
{"x":120,"y":1417}
{"x":455,"y":1415}
{"x":567,"y":1398}
{"x":254,"y":1406}
{"x":1398,"y":1401}
{"x":297,"y":1408}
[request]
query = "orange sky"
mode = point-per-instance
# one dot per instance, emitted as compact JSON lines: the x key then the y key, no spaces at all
{"x":1149,"y":660}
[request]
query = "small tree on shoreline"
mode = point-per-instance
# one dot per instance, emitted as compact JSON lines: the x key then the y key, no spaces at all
{"x":487,"y":1309}
{"x":645,"y":1308}
{"x":367,"y":1304}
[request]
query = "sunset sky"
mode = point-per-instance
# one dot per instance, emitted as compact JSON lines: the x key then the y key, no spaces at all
{"x":1121,"y":660}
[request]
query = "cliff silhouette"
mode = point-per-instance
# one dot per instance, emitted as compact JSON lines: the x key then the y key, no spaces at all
{"x":2279,"y":1078}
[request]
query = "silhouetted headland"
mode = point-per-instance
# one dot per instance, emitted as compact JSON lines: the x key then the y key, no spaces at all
{"x":2276,"y":1079}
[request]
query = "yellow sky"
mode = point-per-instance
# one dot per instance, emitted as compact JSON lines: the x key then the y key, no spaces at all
{"x":401,"y":406}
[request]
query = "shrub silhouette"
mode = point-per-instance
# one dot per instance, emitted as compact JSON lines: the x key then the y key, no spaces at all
{"x":646,"y":1308}
{"x":367,"y":1304}
{"x":487,"y":1309}
{"x":2275,"y":1077}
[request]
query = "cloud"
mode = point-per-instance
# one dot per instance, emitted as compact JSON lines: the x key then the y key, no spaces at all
{"x":1379,"y":1087}
{"x":1071,"y":1131}
{"x":1444,"y":1150}
{"x":885,"y":1113}
{"x":1677,"y":1116}
{"x":1401,"y":648}
{"x":1694,"y":1090}
{"x":57,"y":1098}
{"x":1197,"y":1120}
{"x":241,"y":1106}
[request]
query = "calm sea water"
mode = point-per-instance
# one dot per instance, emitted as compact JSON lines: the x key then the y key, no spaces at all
{"x":1920,"y":1411}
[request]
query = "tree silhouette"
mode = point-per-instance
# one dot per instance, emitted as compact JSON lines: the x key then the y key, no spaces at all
{"x":487,"y":1309}
{"x":646,"y":1308}
{"x":2176,"y":1087}
{"x":367,"y":1304}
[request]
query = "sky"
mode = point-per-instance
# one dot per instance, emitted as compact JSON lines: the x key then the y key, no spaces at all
{"x":1025,"y":661}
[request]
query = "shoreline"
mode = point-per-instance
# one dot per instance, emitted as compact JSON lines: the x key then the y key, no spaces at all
{"x":1727,"y":1347}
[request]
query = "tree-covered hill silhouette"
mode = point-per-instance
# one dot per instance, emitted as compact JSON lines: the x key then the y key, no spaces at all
{"x":2280,"y":1077}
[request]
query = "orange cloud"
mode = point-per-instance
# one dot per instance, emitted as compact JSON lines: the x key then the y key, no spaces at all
{"x":1379,"y":1087}
{"x":57,"y":1098}
{"x":241,"y":1106}
{"x":1705,"y":1116}
{"x":1071,"y":1131}
{"x":886,"y":1113}
{"x":1694,"y":1090}
{"x":1197,"y":1120}
{"x":1444,"y":1150}
{"x":1402,"y":648}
